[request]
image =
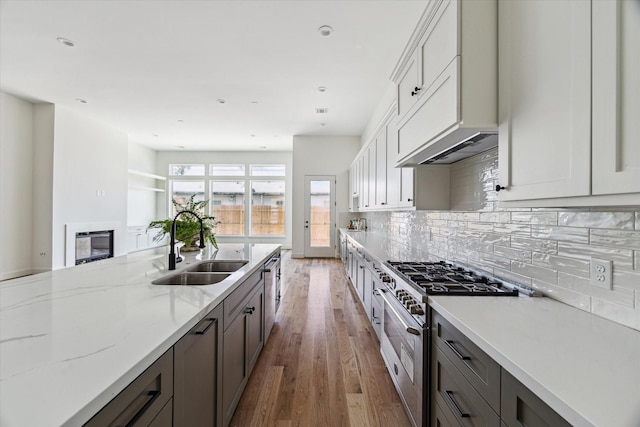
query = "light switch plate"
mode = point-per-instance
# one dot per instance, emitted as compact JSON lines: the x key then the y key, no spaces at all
{"x":601,"y":273}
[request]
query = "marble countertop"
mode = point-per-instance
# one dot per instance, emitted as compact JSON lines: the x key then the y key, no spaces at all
{"x":72,"y":339}
{"x":583,"y":366}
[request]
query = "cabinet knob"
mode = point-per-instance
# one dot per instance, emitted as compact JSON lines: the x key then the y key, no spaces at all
{"x":415,"y":91}
{"x":499,"y":187}
{"x":409,"y":200}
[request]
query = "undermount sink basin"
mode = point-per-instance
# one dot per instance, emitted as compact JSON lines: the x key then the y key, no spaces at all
{"x":191,"y":279}
{"x":218,"y":266}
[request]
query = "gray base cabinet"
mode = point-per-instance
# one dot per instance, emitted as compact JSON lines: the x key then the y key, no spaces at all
{"x":197,"y":366}
{"x":520,"y":407}
{"x":469,"y":388}
{"x":145,"y":402}
{"x":243,"y":339}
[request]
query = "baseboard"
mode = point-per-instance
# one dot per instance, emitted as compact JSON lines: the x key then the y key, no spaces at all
{"x":297,"y":255}
{"x":16,"y":274}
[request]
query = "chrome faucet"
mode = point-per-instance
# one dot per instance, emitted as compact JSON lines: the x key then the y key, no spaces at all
{"x":173,"y":257}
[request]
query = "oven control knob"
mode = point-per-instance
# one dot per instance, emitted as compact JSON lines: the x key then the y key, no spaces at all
{"x":416,"y":309}
{"x":409,"y":302}
{"x":400,"y":293}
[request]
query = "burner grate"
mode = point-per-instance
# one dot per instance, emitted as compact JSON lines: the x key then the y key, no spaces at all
{"x":442,"y":278}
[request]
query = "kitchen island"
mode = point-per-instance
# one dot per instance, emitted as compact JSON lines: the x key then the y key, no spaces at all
{"x":72,"y":339}
{"x":582,"y":366}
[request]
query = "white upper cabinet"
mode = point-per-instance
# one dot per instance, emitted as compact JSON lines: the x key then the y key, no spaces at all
{"x":569,"y":102}
{"x":616,"y":97}
{"x":446,"y":79}
{"x":381,"y":169}
{"x":545,"y":86}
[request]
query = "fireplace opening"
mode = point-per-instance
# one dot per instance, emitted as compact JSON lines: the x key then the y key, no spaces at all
{"x":93,"y":246}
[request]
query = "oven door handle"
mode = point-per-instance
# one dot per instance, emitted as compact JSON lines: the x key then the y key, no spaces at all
{"x":409,"y":329}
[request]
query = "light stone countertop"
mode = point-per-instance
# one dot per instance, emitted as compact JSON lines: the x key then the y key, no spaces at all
{"x":585,"y":367}
{"x":72,"y":339}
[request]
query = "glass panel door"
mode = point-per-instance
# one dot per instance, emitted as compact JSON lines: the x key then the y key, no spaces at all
{"x":320,"y":216}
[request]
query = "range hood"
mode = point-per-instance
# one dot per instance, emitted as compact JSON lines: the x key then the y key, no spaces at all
{"x":457,"y":145}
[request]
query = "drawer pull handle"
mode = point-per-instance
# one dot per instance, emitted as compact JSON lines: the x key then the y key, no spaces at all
{"x":204,"y":331}
{"x":153,"y":395}
{"x":461,"y":414}
{"x":456,"y":351}
{"x":249,"y":310}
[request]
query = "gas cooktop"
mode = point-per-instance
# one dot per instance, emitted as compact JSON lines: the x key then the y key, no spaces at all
{"x":442,"y":278}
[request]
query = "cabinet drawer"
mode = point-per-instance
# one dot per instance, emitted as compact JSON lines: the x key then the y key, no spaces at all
{"x":453,"y":393}
{"x":442,"y":417}
{"x":475,"y":365}
{"x":520,"y":407}
{"x":234,"y":304}
{"x":143,"y":400}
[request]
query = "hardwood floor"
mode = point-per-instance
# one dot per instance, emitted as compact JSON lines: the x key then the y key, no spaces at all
{"x":322,"y":365}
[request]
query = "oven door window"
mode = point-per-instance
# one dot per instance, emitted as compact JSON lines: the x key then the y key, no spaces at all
{"x":403,"y":343}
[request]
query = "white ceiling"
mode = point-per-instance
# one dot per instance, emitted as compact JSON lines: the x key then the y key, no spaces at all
{"x":144,"y":65}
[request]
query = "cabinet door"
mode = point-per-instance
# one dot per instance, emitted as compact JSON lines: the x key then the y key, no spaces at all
{"x":234,"y":371}
{"x":196,"y":372}
{"x":381,"y":168}
{"x":371,"y":175}
{"x":367,"y":292}
{"x":544,"y":92}
{"x":520,"y":407}
{"x":364,"y":180}
{"x":255,"y":327}
{"x":393,"y":173}
{"x":406,"y":187}
{"x":616,"y":97}
{"x":439,"y":45}
{"x":407,"y":85}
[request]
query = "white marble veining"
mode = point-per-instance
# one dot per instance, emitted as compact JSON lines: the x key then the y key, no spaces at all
{"x":72,"y":339}
{"x":585,"y":367}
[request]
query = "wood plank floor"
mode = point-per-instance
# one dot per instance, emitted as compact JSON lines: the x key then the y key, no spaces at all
{"x":322,"y":365}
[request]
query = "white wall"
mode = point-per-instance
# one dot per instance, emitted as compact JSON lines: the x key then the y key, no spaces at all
{"x":165,"y":158}
{"x":378,"y":114}
{"x":141,"y":205}
{"x":16,"y":170}
{"x":89,"y":178}
{"x":320,"y":155}
{"x":43,"y":143}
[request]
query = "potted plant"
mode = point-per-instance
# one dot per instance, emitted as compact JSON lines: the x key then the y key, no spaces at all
{"x":187,"y":225}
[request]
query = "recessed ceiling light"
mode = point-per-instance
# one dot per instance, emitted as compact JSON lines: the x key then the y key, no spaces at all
{"x":66,"y":42}
{"x":322,"y":89}
{"x":322,"y":110}
{"x":155,"y":135}
{"x":254,"y":102}
{"x":263,"y":147}
{"x":252,"y":135}
{"x":81,"y":101}
{"x":323,"y":124}
{"x":180,"y":121}
{"x":325,"y":31}
{"x":181,"y":147}
{"x":221,"y":101}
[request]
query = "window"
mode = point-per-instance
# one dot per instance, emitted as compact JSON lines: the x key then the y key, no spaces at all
{"x":227,"y":206}
{"x":186,"y":170}
{"x":181,"y":191}
{"x":267,"y":208}
{"x":226,"y":170}
{"x":267,"y":170}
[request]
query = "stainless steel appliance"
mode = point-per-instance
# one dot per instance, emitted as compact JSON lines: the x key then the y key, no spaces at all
{"x":406,"y":340}
{"x":271,"y":292}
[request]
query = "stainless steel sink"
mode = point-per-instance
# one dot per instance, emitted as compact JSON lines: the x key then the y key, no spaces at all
{"x":191,"y":279}
{"x":218,"y":266}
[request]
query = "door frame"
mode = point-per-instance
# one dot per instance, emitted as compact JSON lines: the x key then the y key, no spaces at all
{"x":319,"y":252}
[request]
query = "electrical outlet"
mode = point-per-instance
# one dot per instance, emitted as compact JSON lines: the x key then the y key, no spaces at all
{"x":601,"y":273}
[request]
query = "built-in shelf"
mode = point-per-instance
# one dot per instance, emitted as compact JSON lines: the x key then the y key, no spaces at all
{"x":136,"y":186}
{"x":147,"y":175}
{"x":142,"y":187}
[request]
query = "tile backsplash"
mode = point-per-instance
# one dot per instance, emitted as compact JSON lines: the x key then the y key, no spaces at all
{"x":548,"y":249}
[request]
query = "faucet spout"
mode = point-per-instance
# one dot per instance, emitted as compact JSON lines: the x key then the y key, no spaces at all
{"x":173,"y":256}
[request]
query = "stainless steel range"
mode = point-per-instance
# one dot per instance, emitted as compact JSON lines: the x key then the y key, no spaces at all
{"x":405,"y":339}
